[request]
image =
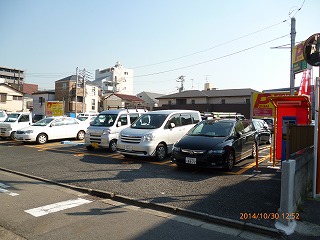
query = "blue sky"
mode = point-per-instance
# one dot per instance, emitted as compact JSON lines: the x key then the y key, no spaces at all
{"x":227,"y":43}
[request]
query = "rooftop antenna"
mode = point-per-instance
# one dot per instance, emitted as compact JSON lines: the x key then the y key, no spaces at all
{"x":181,"y":80}
{"x":207,"y":77}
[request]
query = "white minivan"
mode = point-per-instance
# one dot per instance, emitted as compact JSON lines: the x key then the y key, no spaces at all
{"x":155,"y":132}
{"x":14,"y":122}
{"x":104,"y":131}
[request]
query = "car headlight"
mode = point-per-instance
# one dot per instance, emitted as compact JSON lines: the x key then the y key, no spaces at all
{"x":177,"y":149}
{"x":221,"y":151}
{"x":148,"y":137}
{"x":106,"y":132}
{"x":29,"y":131}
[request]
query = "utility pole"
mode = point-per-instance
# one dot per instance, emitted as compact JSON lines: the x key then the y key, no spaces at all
{"x":83,"y":89}
{"x":293,"y":39}
{"x":76,"y":91}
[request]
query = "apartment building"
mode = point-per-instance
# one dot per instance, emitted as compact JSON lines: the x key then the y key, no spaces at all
{"x":12,"y":77}
{"x":81,"y":99}
{"x":116,"y":79}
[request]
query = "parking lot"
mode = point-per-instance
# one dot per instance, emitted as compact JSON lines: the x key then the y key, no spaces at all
{"x":214,"y":192}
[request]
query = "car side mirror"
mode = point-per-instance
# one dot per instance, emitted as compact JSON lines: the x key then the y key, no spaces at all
{"x":171,"y":125}
{"x":118,"y":124}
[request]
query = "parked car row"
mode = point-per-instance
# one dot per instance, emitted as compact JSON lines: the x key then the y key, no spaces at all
{"x":137,"y":132}
{"x":20,"y":126}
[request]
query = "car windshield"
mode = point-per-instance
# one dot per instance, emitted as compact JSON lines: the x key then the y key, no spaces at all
{"x":82,"y":118}
{"x":211,"y":129}
{"x":104,"y":120}
{"x":12,"y":117}
{"x":268,"y":121}
{"x":43,"y":122}
{"x":149,"y":121}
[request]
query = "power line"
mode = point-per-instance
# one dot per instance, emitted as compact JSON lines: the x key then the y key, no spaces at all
{"x":207,"y":49}
{"x":291,"y":11}
{"x":214,"y":59}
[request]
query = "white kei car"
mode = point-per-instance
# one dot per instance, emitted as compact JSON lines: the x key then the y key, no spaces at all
{"x":51,"y":128}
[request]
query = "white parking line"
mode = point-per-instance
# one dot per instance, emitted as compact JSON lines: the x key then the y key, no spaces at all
{"x":55,"y":207}
{"x":5,"y":191}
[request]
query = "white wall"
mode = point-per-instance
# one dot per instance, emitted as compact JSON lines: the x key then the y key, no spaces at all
{"x":11,"y":104}
{"x":37,"y":107}
{"x":117,"y":74}
{"x":92,"y":93}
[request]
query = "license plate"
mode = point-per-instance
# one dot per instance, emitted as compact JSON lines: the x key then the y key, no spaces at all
{"x":190,"y":160}
{"x":19,"y":138}
{"x":128,"y":147}
{"x":94,"y":144}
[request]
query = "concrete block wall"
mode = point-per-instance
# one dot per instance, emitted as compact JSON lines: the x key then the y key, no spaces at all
{"x":296,"y":182}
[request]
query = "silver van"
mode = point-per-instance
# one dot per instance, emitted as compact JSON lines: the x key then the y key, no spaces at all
{"x":104,"y":130}
{"x":155,"y":132}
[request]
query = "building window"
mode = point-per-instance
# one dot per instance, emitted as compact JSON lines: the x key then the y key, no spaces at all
{"x":64,"y":85}
{"x":126,"y":73}
{"x":93,"y":104}
{"x":3,"y":97}
{"x":248,"y":100}
{"x":193,"y":101}
{"x":93,"y":91}
{"x":41,"y":100}
{"x":17,"y":97}
{"x":181,"y":101}
{"x":169,"y":102}
{"x":223,"y":101}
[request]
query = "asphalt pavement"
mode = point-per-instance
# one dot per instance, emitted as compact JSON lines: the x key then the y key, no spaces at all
{"x":34,"y":210}
{"x":250,"y":204}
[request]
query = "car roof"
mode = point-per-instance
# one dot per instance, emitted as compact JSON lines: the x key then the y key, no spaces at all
{"x":227,"y":120}
{"x":171,"y":111}
{"x":18,"y":112}
{"x":257,"y":119}
{"x":117,"y":111}
{"x":57,"y":117}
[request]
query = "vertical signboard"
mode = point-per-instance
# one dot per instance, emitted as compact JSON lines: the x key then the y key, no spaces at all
{"x":262,"y":106}
{"x":298,"y":61}
{"x":54,"y":108}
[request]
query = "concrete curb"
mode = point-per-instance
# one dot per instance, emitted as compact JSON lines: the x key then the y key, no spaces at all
{"x":164,"y":208}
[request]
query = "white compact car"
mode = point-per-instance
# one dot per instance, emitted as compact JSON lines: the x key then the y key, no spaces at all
{"x":51,"y":128}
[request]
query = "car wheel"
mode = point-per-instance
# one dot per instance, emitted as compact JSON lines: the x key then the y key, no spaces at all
{"x":90,"y":148}
{"x":42,"y":138}
{"x":12,"y":136}
{"x":230,"y":161}
{"x":80,"y":135}
{"x":161,"y":152}
{"x":113,"y":146}
{"x":254,"y":150}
